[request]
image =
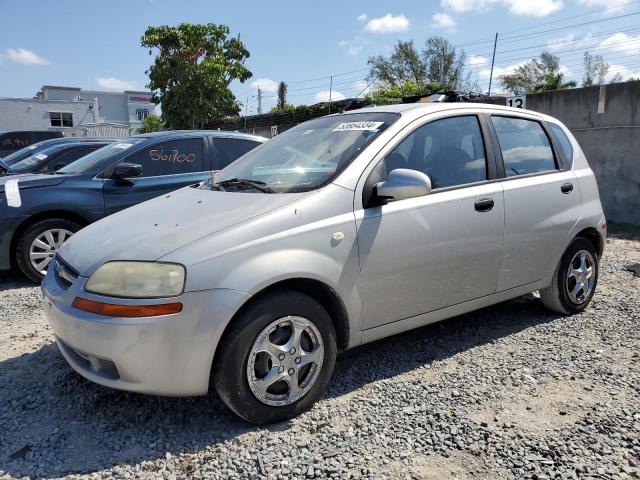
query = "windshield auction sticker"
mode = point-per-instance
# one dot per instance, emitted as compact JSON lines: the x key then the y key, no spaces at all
{"x":40,"y":156}
{"x":123,"y":146}
{"x":358,"y":127}
{"x":12,"y":192}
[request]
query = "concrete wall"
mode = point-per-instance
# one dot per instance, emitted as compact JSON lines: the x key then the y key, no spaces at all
{"x":32,"y":114}
{"x":606,"y":122}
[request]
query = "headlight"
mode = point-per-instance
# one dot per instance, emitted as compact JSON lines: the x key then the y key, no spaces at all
{"x":137,"y":280}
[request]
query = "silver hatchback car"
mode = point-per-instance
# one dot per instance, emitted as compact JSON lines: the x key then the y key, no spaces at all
{"x":340,"y":231}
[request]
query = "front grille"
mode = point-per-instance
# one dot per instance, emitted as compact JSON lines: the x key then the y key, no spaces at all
{"x":64,"y":273}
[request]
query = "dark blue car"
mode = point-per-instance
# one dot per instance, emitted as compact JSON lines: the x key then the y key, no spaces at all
{"x":50,"y":157}
{"x":38,"y":213}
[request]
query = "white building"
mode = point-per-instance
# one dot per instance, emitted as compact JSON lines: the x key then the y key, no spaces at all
{"x":77,"y":112}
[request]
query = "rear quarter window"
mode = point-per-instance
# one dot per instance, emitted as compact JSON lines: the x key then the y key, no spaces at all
{"x":563,"y":142}
{"x":229,"y":150}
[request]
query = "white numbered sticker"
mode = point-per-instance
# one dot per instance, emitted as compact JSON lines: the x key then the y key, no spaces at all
{"x":12,"y":192}
{"x":358,"y":126}
{"x":517,"y":102}
{"x":123,"y":146}
{"x":31,"y":147}
{"x":40,"y":156}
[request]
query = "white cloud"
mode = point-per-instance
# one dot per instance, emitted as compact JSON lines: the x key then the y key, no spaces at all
{"x":265,"y":84}
{"x":352,"y":47}
{"x":477,"y":60}
{"x":538,"y":8}
{"x":443,"y":21}
{"x":388,"y":24}
{"x":363,"y":18}
{"x":622,"y":70}
{"x":499,"y":71}
{"x":621,"y":42}
{"x":113,"y":83}
{"x":362,"y":87}
{"x":24,"y":56}
{"x":608,"y":4}
{"x":323,"y":96}
{"x":558,"y":43}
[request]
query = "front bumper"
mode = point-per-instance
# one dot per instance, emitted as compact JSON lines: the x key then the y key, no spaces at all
{"x":165,"y":355}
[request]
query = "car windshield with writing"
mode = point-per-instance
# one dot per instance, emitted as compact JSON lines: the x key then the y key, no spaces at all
{"x":305,"y":157}
{"x":95,"y":160}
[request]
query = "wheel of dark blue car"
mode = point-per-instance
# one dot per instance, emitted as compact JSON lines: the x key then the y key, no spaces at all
{"x":38,"y":244}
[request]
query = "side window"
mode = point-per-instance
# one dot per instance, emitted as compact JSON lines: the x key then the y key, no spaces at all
{"x":68,"y":157}
{"x":170,"y":158}
{"x":525,"y":146}
{"x":230,"y":149}
{"x":450,"y":151}
{"x":564,"y":142}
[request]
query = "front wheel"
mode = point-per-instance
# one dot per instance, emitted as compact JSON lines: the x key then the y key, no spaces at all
{"x":38,"y":244}
{"x":575,"y":279}
{"x":276,"y":358}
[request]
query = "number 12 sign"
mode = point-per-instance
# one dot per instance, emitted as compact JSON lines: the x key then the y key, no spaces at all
{"x":517,"y":102}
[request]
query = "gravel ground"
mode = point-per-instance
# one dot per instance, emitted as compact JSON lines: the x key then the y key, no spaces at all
{"x":512,"y":391}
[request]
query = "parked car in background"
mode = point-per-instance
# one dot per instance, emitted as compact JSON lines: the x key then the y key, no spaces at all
{"x":53,"y":157}
{"x":36,"y":148}
{"x":38,"y":213}
{"x":339,"y":231}
{"x":13,"y":141}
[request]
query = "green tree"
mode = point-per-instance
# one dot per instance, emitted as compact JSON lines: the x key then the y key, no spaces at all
{"x":192,"y":71}
{"x":595,"y":70}
{"x":439,"y":62}
{"x":282,"y":95}
{"x":537,"y":75}
{"x":153,"y":123}
{"x":389,"y":95}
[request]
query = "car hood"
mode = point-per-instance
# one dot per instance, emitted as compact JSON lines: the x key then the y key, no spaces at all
{"x":32,"y":180}
{"x":153,"y":229}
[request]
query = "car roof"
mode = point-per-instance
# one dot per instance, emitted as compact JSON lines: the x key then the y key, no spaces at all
{"x":418,"y":109}
{"x":202,"y":133}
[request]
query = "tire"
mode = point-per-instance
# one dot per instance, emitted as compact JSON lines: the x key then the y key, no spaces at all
{"x":558,"y":297}
{"x":236,"y":360}
{"x":29,"y":236}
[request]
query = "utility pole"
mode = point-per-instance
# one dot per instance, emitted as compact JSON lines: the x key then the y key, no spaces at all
{"x":246,"y":112}
{"x":259,"y":101}
{"x":493,"y":60}
{"x":330,"y":92}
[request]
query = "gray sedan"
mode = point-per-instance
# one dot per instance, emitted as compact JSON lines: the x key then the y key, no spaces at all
{"x":338,"y":232}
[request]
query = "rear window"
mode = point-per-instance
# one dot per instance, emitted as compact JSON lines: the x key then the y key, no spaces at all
{"x":563,"y":141}
{"x":230,"y":149}
{"x":525,"y":146}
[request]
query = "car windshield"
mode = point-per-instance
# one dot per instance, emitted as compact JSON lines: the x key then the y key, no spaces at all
{"x":94,"y":160}
{"x":305,"y":157}
{"x":25,"y":152}
{"x":36,"y":161}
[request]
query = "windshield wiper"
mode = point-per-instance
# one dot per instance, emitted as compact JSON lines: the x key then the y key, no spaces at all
{"x":243,"y":182}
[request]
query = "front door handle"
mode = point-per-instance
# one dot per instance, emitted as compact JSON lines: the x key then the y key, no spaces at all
{"x":567,"y":187}
{"x":484,"y":205}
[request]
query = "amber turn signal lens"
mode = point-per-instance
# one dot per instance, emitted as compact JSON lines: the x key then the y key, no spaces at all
{"x":128,"y":311}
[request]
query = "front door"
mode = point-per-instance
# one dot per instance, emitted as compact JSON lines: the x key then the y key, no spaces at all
{"x":166,"y":166}
{"x":422,"y":254}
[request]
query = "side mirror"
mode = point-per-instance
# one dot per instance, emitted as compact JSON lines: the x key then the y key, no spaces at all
{"x":404,"y":183}
{"x":127,"y":170}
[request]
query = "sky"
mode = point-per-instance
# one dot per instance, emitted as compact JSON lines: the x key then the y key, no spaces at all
{"x":96,"y":45}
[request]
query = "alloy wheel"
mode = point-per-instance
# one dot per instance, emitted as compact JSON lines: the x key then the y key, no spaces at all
{"x":285,"y":361}
{"x":44,"y":247}
{"x":580,"y":277}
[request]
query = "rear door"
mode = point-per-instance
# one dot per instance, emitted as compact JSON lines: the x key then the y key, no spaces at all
{"x":227,"y":150}
{"x":166,"y":166}
{"x":541,"y":200}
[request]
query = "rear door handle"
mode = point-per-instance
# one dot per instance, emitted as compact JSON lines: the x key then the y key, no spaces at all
{"x":567,"y":188}
{"x":484,"y":205}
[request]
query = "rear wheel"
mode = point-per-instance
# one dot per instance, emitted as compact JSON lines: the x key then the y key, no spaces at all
{"x":575,"y":279}
{"x":276,"y":359}
{"x":39,"y":243}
